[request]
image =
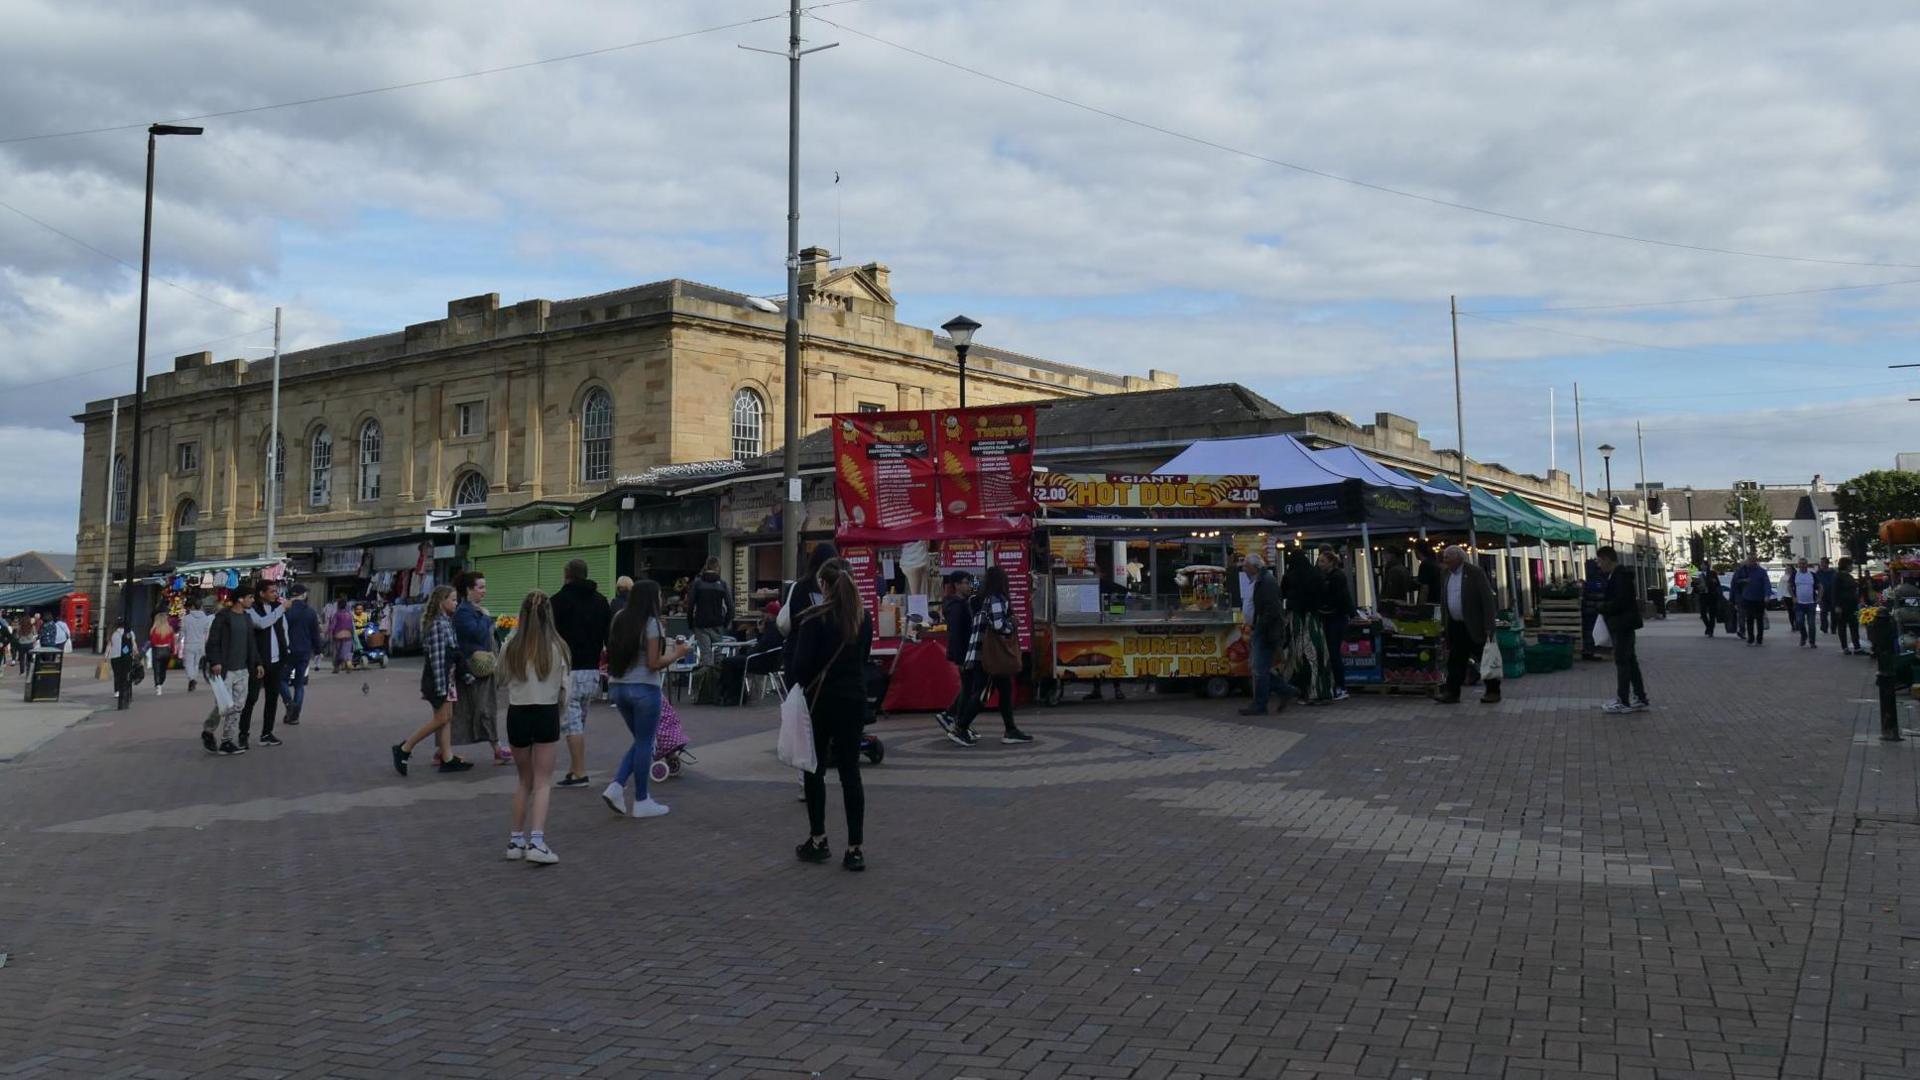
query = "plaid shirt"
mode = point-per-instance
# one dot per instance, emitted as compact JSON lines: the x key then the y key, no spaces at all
{"x":994,"y":613}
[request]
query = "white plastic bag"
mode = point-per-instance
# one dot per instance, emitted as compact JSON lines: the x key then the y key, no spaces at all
{"x":222,"y":695}
{"x":1492,"y":667}
{"x":795,"y":747}
{"x":1602,"y":637}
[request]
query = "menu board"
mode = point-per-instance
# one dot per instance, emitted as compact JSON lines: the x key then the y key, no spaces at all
{"x":1253,"y":543}
{"x":884,"y":470}
{"x":865,"y":564}
{"x":986,"y":461}
{"x":1011,"y":556}
{"x":968,"y":555}
{"x":1073,"y":553}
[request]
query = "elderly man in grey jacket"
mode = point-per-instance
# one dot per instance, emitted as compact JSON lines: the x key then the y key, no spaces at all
{"x":1467,"y":604}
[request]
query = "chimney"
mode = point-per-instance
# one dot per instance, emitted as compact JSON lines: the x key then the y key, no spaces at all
{"x":1817,"y":487}
{"x":815,"y":264}
{"x":192,"y":360}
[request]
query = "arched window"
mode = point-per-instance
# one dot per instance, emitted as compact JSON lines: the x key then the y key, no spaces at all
{"x":186,"y":521}
{"x":596,"y":436}
{"x":370,"y":461}
{"x":320,"y":475}
{"x":470,"y":490}
{"x":275,"y":466}
{"x":749,"y":424}
{"x":117,"y":513}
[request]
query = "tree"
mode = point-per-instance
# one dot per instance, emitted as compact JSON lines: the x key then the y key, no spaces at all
{"x":1750,"y":527}
{"x":1871,"y":498}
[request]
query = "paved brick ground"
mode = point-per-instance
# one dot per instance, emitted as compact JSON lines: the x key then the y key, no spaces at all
{"x":1383,"y":888}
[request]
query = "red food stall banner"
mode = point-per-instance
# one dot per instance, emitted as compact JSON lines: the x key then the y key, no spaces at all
{"x":1011,"y":556}
{"x":986,"y":461}
{"x":884,"y":470}
{"x":864,"y":562}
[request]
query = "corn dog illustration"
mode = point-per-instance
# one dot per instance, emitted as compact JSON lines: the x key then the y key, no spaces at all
{"x":854,"y":477}
{"x":956,"y":470}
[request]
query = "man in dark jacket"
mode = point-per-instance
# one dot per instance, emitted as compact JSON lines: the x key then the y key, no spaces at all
{"x":268,"y":617}
{"x":957,"y":610}
{"x":709,"y":609}
{"x":1843,"y":604}
{"x":1620,"y":607}
{"x":582,"y":616}
{"x":1432,"y":578}
{"x":1336,"y":608}
{"x":1467,"y":605}
{"x":303,"y":641}
{"x":233,"y":661}
{"x":1396,"y":583}
{"x":1754,"y":588}
{"x":1265,"y":623}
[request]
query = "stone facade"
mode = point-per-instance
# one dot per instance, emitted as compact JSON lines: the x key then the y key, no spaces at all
{"x":492,"y":402}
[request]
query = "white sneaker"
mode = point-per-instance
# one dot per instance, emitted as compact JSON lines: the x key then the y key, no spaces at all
{"x":156,"y":691}
{"x":516,"y":852}
{"x":540,"y":855}
{"x":616,"y":798}
{"x":1616,"y":707}
{"x":648,"y":808}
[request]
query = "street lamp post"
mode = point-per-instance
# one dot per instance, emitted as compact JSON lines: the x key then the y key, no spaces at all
{"x":1703,"y":547}
{"x":960,"y":329}
{"x":1606,"y":457}
{"x":140,"y":368}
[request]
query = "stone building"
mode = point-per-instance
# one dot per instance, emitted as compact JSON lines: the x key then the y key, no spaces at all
{"x":498,"y":406}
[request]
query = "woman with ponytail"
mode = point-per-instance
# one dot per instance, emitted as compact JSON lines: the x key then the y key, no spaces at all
{"x":829,"y":661}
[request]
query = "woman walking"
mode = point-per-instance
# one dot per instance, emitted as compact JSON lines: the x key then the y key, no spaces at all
{"x":441,"y":679}
{"x":535,"y":665}
{"x":340,"y":633}
{"x":123,"y":651}
{"x":995,"y":616}
{"x":159,"y":650}
{"x":475,"y":715}
{"x":830,"y":646}
{"x":637,"y":652}
{"x":1306,"y":660}
{"x":1333,"y":612}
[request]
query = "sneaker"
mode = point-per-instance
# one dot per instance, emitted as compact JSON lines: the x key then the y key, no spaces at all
{"x":400,"y":759}
{"x":455,"y":764}
{"x":270,"y":739}
{"x":227,"y":749}
{"x":516,"y":850}
{"x":615,"y":796}
{"x":293,"y":715}
{"x":853,"y":860}
{"x":945,"y":720}
{"x":190,"y":685}
{"x":502,"y":757}
{"x":1340,"y":695}
{"x":960,"y":736}
{"x":808,"y":851}
{"x":1616,"y":707}
{"x":1016,"y":736}
{"x":541,"y":855}
{"x":244,"y":745}
{"x":156,"y":691}
{"x":646,"y":808}
{"x":571,"y":780}
{"x":206,"y":740}
{"x":1642,"y":705}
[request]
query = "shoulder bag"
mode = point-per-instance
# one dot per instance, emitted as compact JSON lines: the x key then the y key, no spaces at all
{"x":1000,"y":653}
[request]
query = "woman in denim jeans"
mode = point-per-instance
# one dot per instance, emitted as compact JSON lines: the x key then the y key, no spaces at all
{"x":637,"y":653}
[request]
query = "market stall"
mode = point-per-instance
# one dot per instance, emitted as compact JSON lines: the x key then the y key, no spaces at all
{"x":1137,"y":584}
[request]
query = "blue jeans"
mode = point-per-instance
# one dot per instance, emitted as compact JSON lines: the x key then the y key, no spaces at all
{"x":1260,"y":662}
{"x":639,"y":705}
{"x":294,"y":690}
{"x":1804,"y":615}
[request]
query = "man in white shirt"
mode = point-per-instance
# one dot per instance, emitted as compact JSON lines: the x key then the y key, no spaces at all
{"x":1467,"y":605}
{"x":1802,"y":587}
{"x":193,"y":639}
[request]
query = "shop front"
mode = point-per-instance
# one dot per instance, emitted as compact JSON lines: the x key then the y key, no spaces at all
{"x":748,"y":517}
{"x":528,"y":548}
{"x":668,"y":543}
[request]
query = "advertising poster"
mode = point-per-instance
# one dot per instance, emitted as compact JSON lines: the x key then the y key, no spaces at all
{"x":1071,"y":553}
{"x":1251,"y":543}
{"x":1170,"y":650}
{"x":1163,"y":494}
{"x":968,"y":555}
{"x":1011,"y":556}
{"x":884,"y":471}
{"x":986,"y":461}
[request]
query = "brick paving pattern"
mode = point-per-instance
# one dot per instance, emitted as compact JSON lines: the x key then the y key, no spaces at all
{"x":1725,"y":887}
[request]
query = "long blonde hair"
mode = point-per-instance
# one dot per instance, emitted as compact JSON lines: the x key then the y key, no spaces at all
{"x":536,"y":645}
{"x":434,"y":601}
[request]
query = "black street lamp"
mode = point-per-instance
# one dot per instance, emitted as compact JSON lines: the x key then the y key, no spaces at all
{"x":1606,"y":456}
{"x":140,"y":368}
{"x":960,"y":329}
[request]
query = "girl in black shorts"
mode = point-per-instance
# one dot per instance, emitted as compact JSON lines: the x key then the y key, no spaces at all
{"x":534,"y":666}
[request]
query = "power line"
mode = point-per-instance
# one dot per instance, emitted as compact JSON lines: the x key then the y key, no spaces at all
{"x":1700,"y":300}
{"x":176,"y":350}
{"x":368,"y":91}
{"x":131,"y":266}
{"x":1354,"y":181}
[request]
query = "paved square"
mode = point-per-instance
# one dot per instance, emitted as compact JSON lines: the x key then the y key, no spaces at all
{"x":1157,"y":888}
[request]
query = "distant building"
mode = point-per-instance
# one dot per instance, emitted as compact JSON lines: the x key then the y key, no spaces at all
{"x":1806,"y":512}
{"x":1907,"y":462}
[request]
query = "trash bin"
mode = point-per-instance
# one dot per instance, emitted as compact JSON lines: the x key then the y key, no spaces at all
{"x":43,"y":674}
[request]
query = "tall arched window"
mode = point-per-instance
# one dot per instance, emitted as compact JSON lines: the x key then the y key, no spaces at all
{"x":320,"y":473}
{"x":186,"y":521}
{"x":470,"y":490}
{"x":370,"y":461}
{"x":596,"y":436}
{"x":749,"y":424}
{"x":117,"y":513}
{"x":274,"y":460}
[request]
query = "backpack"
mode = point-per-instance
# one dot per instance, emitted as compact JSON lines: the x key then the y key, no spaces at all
{"x":49,"y":635}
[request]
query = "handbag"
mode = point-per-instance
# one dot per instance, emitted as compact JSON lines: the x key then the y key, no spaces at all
{"x":999,"y":653}
{"x":481,"y":664}
{"x":794,"y":746}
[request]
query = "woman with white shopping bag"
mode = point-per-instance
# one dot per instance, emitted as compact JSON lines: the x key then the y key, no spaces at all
{"x":826,"y":708}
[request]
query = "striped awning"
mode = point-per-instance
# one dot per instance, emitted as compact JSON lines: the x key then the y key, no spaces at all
{"x":37,"y":594}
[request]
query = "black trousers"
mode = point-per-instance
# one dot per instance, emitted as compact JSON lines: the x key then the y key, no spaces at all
{"x":1846,"y":623}
{"x":1463,"y":655}
{"x":1710,"y":615}
{"x":1334,"y":627}
{"x":258,"y":689}
{"x":122,"y":681}
{"x":974,"y":684}
{"x":1753,"y":614}
{"x":836,"y":742}
{"x":1626,"y":667}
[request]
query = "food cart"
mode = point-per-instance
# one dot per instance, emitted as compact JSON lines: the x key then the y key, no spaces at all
{"x":1140,"y":580}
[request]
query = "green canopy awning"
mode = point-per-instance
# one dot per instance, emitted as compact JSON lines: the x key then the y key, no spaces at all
{"x":34,"y":594}
{"x":1550,"y":528}
{"x":1491,"y":517}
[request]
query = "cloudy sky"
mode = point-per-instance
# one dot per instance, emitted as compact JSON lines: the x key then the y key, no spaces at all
{"x":1772,"y":154}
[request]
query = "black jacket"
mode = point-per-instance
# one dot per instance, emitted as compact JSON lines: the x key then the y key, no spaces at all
{"x":1846,"y":591}
{"x":958,"y":611}
{"x":1302,"y":584}
{"x":709,"y":602}
{"x":1269,"y":616}
{"x":264,"y":639}
{"x":231,"y":643}
{"x":1620,"y":605}
{"x":843,"y":684}
{"x":582,"y":616}
{"x":1336,"y":597}
{"x":1433,"y":582}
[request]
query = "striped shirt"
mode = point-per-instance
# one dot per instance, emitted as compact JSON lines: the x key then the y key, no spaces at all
{"x":995,"y":614}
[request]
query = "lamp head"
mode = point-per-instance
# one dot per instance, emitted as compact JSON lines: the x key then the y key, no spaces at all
{"x":960,"y":329}
{"x":173,"y":129}
{"x":1606,"y":451}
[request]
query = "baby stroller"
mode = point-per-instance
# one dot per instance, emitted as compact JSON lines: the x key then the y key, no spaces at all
{"x":370,"y":648}
{"x":670,"y":750}
{"x":878,"y":679}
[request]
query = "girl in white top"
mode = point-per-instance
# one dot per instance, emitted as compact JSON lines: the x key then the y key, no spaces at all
{"x":534,"y":665}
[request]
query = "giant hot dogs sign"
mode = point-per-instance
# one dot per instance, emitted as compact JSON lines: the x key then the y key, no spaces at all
{"x":1117,"y":491}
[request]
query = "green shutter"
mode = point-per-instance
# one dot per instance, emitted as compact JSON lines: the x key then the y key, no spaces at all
{"x":509,"y":579}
